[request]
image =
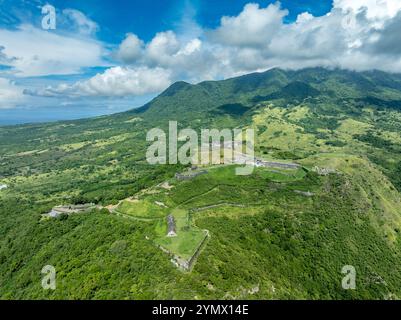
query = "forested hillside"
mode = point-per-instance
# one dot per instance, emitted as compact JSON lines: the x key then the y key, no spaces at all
{"x":276,"y":234}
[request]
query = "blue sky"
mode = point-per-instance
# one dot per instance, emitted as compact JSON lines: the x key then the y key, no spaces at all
{"x":145,"y":18}
{"x":109,"y":56}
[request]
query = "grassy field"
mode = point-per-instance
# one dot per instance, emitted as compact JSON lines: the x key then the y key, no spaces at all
{"x":219,"y":189}
{"x":188,"y":236}
{"x":142,"y":209}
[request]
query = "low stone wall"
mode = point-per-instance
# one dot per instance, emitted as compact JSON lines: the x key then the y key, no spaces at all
{"x":70,"y":209}
{"x":189,"y":176}
{"x":198,"y":250}
{"x":218,"y":205}
{"x":269,"y":164}
{"x":183,"y":263}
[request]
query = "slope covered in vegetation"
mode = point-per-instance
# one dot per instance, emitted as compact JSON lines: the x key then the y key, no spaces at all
{"x":273,"y":234}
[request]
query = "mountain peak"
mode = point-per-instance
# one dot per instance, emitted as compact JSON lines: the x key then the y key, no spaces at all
{"x":175,"y":87}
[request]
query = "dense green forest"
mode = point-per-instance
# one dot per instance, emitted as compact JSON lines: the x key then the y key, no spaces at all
{"x":275,"y":234}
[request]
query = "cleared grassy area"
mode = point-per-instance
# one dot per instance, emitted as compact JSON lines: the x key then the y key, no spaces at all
{"x":188,"y":237}
{"x":281,"y":175}
{"x":278,"y":129}
{"x":219,"y":186}
{"x":229,"y":211}
{"x":142,"y":209}
{"x":222,"y":185}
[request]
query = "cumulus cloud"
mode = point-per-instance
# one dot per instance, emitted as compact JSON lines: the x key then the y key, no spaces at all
{"x":254,"y":26}
{"x":357,"y":34}
{"x":131,"y":49}
{"x":116,"y":81}
{"x":10,"y":94}
{"x":387,"y":40}
{"x":375,"y":9}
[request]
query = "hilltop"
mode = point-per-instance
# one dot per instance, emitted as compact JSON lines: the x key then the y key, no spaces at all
{"x":278,"y":233}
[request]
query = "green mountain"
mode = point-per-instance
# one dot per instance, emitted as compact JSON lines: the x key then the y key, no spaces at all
{"x":278,"y":233}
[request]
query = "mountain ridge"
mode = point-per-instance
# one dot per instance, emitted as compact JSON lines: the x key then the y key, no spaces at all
{"x":267,"y":85}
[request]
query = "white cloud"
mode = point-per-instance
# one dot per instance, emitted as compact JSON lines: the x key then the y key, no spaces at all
{"x":82,"y":23}
{"x":131,"y":49}
{"x":375,"y":9}
{"x":162,"y":48}
{"x":254,"y":26}
{"x":191,"y":47}
{"x":39,"y":53}
{"x":10,"y":94}
{"x":357,"y":34}
{"x":4,"y":59}
{"x":33,"y":51}
{"x":353,"y":35}
{"x":116,"y":81}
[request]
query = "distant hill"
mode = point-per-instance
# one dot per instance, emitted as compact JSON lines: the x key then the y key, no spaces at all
{"x":182,"y":99}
